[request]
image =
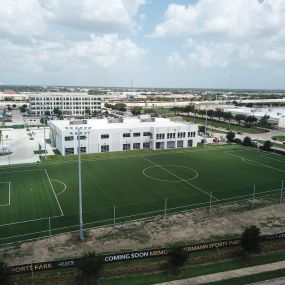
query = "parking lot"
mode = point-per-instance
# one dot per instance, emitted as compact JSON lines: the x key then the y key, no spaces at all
{"x":22,"y":144}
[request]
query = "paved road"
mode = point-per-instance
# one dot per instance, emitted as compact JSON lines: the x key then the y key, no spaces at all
{"x":199,"y":280}
{"x":277,"y":281}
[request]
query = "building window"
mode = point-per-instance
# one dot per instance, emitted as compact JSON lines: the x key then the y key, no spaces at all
{"x":146,"y":145}
{"x":83,"y":149}
{"x":68,"y":138}
{"x":179,"y":143}
{"x":136,"y":146}
{"x":126,"y":146}
{"x":171,"y":135}
{"x":137,"y":134}
{"x":160,"y":136}
{"x":105,"y":136}
{"x":181,"y":135}
{"x":146,"y":134}
{"x":82,"y":137}
{"x":69,"y":150}
{"x":126,"y":135}
{"x":104,"y":148}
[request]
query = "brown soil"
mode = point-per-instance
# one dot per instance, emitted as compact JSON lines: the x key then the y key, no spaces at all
{"x":194,"y":226}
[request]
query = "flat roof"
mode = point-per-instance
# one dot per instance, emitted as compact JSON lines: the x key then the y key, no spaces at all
{"x":103,"y":124}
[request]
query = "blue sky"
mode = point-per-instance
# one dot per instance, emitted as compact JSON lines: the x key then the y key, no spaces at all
{"x":155,"y":43}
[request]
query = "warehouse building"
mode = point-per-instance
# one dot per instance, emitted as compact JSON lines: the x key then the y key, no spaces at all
{"x":103,"y":135}
{"x":73,"y":104}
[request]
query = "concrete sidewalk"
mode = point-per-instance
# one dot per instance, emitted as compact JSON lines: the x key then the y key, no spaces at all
{"x":228,"y":274}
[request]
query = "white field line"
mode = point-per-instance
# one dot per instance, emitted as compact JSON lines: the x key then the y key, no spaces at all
{"x":181,"y":179}
{"x":9,"y":199}
{"x":261,"y":164}
{"x":28,"y":221}
{"x":54,"y":193}
{"x":20,"y":171}
{"x":9,"y":193}
{"x":118,"y":223}
{"x":266,"y":156}
{"x":64,"y":186}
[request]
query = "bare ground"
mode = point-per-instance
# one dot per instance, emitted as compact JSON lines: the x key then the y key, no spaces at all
{"x":194,"y":226}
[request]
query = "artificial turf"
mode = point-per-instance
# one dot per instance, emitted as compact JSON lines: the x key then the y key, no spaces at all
{"x":134,"y":185}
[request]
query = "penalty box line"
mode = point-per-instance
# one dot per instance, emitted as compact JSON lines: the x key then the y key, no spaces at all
{"x":181,"y":179}
{"x":259,"y":163}
{"x":54,"y":193}
{"x":9,"y":195}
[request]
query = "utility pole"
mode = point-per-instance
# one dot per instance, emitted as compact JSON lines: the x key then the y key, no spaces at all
{"x":80,"y":188}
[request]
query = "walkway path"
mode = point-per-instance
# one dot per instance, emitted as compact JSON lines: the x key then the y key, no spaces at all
{"x":229,"y":274}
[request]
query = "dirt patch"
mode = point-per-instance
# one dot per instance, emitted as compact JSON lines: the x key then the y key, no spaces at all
{"x":194,"y":226}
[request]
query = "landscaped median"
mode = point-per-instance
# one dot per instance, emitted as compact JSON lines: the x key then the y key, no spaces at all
{"x":154,"y":271}
{"x":150,"y":266}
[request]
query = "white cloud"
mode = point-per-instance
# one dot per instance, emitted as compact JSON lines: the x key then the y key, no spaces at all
{"x":35,"y":17}
{"x":275,"y":55}
{"x":235,"y":19}
{"x":107,"y":51}
{"x":175,"y":60}
{"x":19,"y":17}
{"x":95,"y":15}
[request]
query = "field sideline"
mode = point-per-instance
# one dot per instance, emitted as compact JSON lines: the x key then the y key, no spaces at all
{"x":133,"y":185}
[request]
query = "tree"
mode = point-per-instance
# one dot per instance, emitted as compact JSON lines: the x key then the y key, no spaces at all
{"x":148,"y":111}
{"x":90,"y":267}
{"x":23,"y":108}
{"x":4,"y":273}
{"x":136,"y":110}
{"x":43,"y":120}
{"x":250,"y":120}
{"x":120,"y":107}
{"x":250,"y":240}
{"x":57,"y":111}
{"x":240,"y":117}
{"x":177,"y":259}
{"x":219,"y":114}
{"x":228,"y":116}
{"x":247,"y":141}
{"x":263,"y":122}
{"x":267,"y":145}
{"x":230,"y":136}
{"x":87,"y":111}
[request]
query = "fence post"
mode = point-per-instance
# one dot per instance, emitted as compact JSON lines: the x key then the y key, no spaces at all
{"x":32,"y":268}
{"x":114,"y":224}
{"x":253,"y":195}
{"x":165,"y":210}
{"x":281,"y":194}
{"x":49,"y":231}
{"x":211,"y":197}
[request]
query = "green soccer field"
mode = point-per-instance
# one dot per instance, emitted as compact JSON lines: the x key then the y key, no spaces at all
{"x":35,"y":199}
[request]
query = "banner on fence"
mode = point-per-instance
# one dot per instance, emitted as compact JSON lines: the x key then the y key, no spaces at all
{"x":133,"y":255}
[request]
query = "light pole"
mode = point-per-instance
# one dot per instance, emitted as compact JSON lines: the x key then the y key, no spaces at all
{"x":80,"y":188}
{"x":45,"y":136}
{"x":206,"y":126}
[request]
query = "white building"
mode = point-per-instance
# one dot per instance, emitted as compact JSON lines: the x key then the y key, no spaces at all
{"x":68,"y":103}
{"x":102,"y":135}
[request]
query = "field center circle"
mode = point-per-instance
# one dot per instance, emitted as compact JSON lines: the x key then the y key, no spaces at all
{"x":173,"y":177}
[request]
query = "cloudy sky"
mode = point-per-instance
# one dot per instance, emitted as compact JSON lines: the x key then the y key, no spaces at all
{"x":155,"y":43}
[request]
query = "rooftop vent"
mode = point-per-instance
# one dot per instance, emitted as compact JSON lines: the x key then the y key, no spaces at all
{"x":78,"y":122}
{"x":115,"y":120}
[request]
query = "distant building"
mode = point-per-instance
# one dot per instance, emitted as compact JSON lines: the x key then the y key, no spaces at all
{"x":103,"y":135}
{"x":68,"y":103}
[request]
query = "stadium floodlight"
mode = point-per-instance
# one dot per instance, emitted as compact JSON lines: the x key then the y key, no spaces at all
{"x":80,"y":188}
